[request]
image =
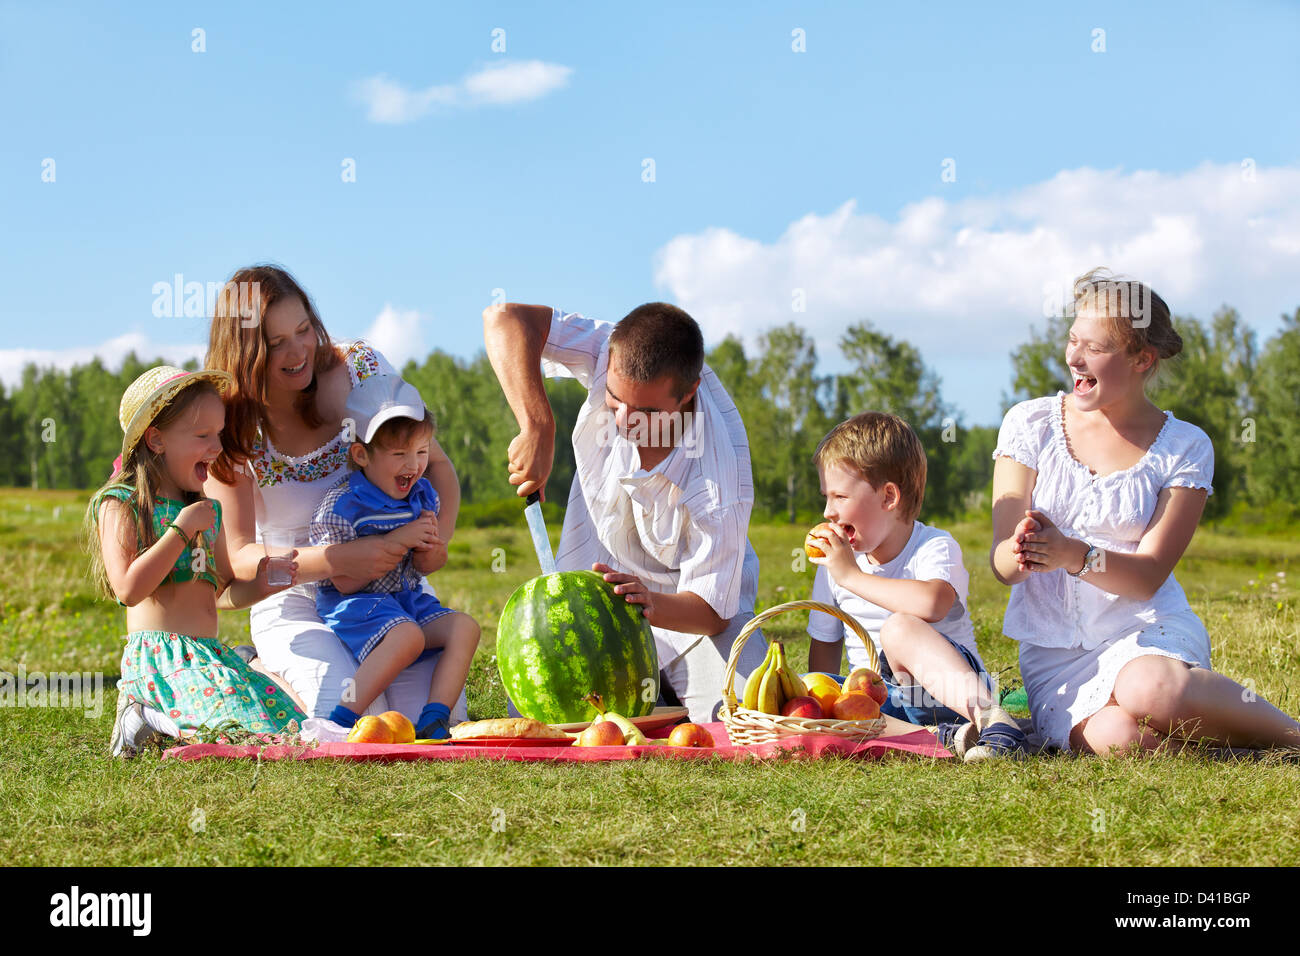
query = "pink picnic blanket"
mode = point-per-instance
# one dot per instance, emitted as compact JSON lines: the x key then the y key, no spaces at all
{"x":919,"y":742}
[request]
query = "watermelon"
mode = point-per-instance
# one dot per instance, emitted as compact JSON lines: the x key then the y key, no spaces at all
{"x":566,"y":635}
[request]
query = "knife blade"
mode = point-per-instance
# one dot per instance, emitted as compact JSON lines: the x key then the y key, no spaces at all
{"x":537,"y":528}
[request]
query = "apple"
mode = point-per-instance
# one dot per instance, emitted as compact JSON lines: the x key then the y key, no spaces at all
{"x":866,"y":681}
{"x":370,"y":730}
{"x":690,"y":735}
{"x":403,"y":730}
{"x":604,"y":734}
{"x":856,"y":706}
{"x":807,"y":707}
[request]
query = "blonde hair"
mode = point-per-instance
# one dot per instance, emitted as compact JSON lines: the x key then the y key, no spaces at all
{"x":881,"y":448}
{"x":141,"y":474}
{"x":1135,"y":316}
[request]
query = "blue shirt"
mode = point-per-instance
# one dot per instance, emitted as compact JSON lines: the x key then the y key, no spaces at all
{"x":356,"y":507}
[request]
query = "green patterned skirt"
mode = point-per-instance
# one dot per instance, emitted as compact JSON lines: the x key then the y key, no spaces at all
{"x":199,"y":682}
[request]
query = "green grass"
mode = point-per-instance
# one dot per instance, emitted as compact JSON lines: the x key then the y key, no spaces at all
{"x":63,"y":800}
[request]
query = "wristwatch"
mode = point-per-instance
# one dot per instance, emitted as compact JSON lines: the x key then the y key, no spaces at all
{"x":1091,"y":561}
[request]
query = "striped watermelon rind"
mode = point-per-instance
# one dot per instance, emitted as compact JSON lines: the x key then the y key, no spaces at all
{"x":565,"y":635}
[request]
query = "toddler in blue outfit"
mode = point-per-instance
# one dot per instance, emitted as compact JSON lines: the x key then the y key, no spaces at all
{"x":391,"y":621}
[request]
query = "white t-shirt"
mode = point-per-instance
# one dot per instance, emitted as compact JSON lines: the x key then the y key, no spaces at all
{"x":682,"y":525}
{"x":929,"y":555}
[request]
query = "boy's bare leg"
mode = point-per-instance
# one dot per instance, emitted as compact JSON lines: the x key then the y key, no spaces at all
{"x":457,"y":634}
{"x":919,"y":653}
{"x":397,"y":651}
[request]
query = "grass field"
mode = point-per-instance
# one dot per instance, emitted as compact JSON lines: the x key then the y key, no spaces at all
{"x":63,"y":800}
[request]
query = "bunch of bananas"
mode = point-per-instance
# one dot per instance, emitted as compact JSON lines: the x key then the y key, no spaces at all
{"x":773,"y":683}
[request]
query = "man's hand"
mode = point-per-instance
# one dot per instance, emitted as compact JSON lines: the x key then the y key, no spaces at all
{"x":530,"y":456}
{"x":630,"y":586}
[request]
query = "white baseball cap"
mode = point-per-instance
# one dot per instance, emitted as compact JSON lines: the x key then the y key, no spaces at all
{"x":379,"y":398}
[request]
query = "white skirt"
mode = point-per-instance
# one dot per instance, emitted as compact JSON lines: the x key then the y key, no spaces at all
{"x":1067,"y":685}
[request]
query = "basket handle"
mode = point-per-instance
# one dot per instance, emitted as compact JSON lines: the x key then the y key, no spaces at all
{"x":758,"y":620}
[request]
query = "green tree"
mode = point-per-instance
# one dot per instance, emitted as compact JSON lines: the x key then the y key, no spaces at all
{"x":886,"y":375}
{"x":1038,"y":366}
{"x":1272,"y":432}
{"x":1207,"y":385}
{"x":790,"y":418}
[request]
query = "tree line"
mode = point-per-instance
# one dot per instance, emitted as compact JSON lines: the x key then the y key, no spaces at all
{"x":59,"y":429}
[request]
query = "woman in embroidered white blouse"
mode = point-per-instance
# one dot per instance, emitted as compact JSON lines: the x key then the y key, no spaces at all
{"x":284,"y":446}
{"x":1096,"y":494}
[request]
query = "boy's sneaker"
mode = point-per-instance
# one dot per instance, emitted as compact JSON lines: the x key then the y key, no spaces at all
{"x":957,"y":737}
{"x":1000,"y":739}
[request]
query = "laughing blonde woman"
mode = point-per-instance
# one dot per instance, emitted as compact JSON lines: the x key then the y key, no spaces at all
{"x":1096,"y":496}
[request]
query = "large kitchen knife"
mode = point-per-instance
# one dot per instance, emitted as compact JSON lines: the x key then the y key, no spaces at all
{"x":537,"y":528}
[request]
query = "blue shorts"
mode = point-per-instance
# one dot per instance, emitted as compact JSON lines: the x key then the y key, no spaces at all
{"x":361,"y":620}
{"x":913,"y":703}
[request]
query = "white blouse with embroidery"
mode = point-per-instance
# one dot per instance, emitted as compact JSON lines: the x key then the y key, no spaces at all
{"x":1112,"y":512}
{"x":289,"y":488}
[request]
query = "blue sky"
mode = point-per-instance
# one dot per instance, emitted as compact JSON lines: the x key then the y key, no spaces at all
{"x":774,"y":169}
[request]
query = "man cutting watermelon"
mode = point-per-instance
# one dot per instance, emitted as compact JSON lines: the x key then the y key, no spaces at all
{"x":662,"y":490}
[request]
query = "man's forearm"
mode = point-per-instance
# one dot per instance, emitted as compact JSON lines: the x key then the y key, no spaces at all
{"x":688,"y":613}
{"x":514,"y":348}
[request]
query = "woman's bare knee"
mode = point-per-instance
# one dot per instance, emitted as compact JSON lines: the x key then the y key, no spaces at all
{"x":1110,"y":729}
{"x":1153,"y":688}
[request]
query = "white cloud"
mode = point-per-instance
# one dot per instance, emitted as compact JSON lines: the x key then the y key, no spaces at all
{"x":398,"y":334}
{"x":111,"y":353}
{"x":965,"y":280}
{"x":388,"y":101}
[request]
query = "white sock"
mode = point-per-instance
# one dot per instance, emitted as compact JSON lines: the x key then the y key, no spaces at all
{"x":160,"y":722}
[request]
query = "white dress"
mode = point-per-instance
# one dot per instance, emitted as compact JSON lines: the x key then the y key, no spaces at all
{"x":1075,"y":637}
{"x":290,"y":637}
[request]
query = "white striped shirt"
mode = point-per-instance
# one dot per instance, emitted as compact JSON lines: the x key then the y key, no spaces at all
{"x":681,"y":526}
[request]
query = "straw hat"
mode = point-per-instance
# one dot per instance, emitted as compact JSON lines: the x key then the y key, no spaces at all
{"x":151,"y":393}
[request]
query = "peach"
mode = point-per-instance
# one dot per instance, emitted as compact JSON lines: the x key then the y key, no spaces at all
{"x":856,"y":706}
{"x":690,"y":735}
{"x":604,"y":734}
{"x":370,"y":730}
{"x":810,"y":546}
{"x":403,"y":730}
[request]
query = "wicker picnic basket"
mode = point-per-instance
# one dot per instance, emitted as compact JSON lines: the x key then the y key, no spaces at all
{"x":745,"y":726}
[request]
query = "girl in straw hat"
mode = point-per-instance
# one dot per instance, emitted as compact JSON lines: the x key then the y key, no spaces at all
{"x":157,"y":548}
